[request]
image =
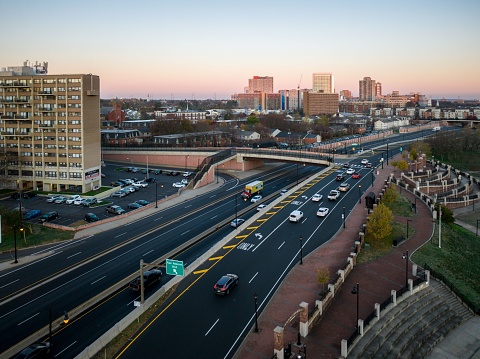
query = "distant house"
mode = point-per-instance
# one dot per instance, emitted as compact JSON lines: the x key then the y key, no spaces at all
{"x":247,"y":135}
{"x":120,"y":137}
{"x":297,"y":138}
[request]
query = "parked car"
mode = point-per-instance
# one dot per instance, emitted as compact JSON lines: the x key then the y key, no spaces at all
{"x":356,"y":175}
{"x":344,"y":187}
{"x":150,"y":179}
{"x":36,"y":350}
{"x":317,"y":197}
{"x":116,"y":184}
{"x":78,"y":201}
{"x":91,"y":217}
{"x":72,"y":199}
{"x":134,"y":206}
{"x":158,"y":172}
{"x":25,"y":195}
{"x":48,"y":217}
{"x":51,"y":198}
{"x":237,"y":222}
{"x":350,"y":171}
{"x":32,"y":214}
{"x":187,"y":174}
{"x":256,"y":198}
{"x":149,"y":277}
{"x":178,"y":185}
{"x":142,"y":202}
{"x":225,"y":284}
{"x":296,"y":216}
{"x":130,"y":189}
{"x":140,"y":184}
{"x":144,"y":170}
{"x":322,"y":212}
{"x":120,"y":194}
{"x":89,"y":201}
{"x":184,"y":181}
{"x":115,"y":209}
{"x":60,"y":199}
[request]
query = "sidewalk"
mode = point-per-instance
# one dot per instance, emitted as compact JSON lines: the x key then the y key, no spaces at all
{"x":376,"y":280}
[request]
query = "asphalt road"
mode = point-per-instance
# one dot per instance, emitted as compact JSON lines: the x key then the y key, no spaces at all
{"x":25,"y":304}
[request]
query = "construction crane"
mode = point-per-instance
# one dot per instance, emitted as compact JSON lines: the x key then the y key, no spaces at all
{"x":299,"y":82}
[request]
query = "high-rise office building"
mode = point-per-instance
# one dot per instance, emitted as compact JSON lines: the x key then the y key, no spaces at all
{"x":323,"y":83}
{"x":260,"y":84}
{"x":320,"y":103}
{"x":378,"y":90}
{"x":49,"y":130}
{"x":367,"y":89}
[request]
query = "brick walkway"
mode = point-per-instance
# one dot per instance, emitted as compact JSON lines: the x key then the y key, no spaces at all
{"x":376,"y":280}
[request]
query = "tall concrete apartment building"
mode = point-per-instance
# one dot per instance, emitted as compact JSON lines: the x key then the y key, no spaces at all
{"x":49,"y":130}
{"x":323,"y":83}
{"x":260,"y":84}
{"x":367,"y":89}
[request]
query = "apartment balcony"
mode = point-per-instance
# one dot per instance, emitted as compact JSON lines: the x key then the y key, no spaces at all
{"x":46,"y":109}
{"x":6,"y":117}
{"x":46,"y":125}
{"x":47,"y":93}
{"x":14,"y":84}
{"x":20,"y":117}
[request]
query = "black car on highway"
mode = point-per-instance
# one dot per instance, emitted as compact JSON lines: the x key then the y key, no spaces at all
{"x":149,"y":277}
{"x":225,"y":284}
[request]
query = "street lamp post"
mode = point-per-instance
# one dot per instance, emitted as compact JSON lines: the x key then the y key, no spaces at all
{"x":297,"y":173}
{"x":387,"y":152}
{"x":373,"y":178}
{"x":405,"y":256}
{"x":236,"y":210}
{"x":301,"y":250}
{"x":476,"y":232}
{"x":356,"y":290}
{"x":156,"y":195}
{"x":408,"y":221}
{"x":256,"y":312}
{"x":343,"y":216}
{"x":15,"y":241}
{"x":359,"y":193}
{"x":383,"y":159}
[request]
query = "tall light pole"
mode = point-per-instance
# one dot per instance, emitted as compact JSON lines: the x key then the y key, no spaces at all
{"x":359,"y":193}
{"x":256,"y":312}
{"x":387,"y":152}
{"x":15,"y":240}
{"x":156,"y":195}
{"x":356,"y":290}
{"x":373,"y":178}
{"x":301,"y":250}
{"x":405,"y":256}
{"x":343,"y":216}
{"x":408,"y":221}
{"x":383,"y":159}
{"x":297,"y":173}
{"x":476,"y":232}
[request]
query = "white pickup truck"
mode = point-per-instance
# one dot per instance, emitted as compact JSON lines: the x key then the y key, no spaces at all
{"x":333,"y":195}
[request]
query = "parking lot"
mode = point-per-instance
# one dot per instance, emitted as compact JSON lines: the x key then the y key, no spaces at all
{"x":75,"y":214}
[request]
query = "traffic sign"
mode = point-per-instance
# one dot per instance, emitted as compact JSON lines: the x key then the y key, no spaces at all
{"x":174,"y":267}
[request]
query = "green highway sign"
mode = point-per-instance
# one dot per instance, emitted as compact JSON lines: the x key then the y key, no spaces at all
{"x":174,"y":267}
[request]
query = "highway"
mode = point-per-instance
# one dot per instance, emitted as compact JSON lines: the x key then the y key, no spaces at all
{"x":74,"y":272}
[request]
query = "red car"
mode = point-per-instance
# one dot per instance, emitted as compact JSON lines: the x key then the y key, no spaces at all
{"x":356,"y":175}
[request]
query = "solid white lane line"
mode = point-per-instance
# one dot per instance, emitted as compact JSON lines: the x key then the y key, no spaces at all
{"x":26,"y":320}
{"x":212,"y":327}
{"x":253,"y":278}
{"x":281,"y":245}
{"x":56,"y":355}
{"x":119,"y":235}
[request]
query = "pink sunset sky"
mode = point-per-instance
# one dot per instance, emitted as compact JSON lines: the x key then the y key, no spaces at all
{"x":191,"y":49}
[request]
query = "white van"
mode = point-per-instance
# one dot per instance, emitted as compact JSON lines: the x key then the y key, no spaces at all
{"x":436,"y":128}
{"x":296,"y":216}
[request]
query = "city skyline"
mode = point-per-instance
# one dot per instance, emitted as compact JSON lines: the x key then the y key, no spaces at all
{"x":196,"y":50}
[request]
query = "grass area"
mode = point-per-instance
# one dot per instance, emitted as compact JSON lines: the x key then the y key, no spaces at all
{"x":468,"y":161}
{"x":457,"y":259}
{"x":34,"y":235}
{"x":402,"y":206}
{"x":124,"y":337}
{"x":471,"y":216}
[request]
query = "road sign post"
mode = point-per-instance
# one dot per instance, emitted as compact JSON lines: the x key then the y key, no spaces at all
{"x":174,"y":267}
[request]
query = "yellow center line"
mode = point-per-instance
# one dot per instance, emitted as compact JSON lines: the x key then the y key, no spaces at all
{"x":200,"y":271}
{"x":215,"y":258}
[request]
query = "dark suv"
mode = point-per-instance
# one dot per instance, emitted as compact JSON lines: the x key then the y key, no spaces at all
{"x":149,"y":277}
{"x":340,"y":177}
{"x":48,"y":217}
